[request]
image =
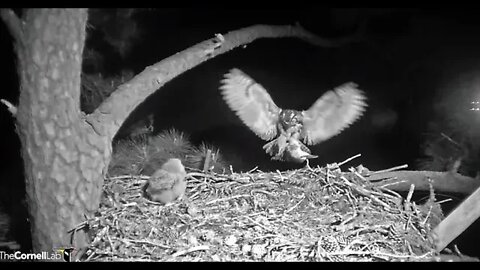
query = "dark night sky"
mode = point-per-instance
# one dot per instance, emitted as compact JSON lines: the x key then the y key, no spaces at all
{"x":413,"y":64}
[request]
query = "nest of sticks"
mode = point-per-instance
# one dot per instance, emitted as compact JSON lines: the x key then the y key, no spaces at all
{"x":320,"y":214}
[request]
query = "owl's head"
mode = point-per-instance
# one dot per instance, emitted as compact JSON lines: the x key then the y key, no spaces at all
{"x":174,"y":165}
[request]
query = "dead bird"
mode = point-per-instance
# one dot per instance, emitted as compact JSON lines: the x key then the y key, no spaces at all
{"x":290,"y":149}
{"x":167,"y":183}
{"x":328,"y":116}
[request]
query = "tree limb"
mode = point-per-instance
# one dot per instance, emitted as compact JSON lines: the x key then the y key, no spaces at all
{"x":14,"y":24}
{"x":10,"y":107}
{"x":109,"y":116}
{"x":457,"y":221}
{"x":333,"y":42}
{"x":441,"y":181}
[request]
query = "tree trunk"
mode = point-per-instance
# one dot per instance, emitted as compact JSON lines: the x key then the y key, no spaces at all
{"x":65,"y":152}
{"x":64,"y":159}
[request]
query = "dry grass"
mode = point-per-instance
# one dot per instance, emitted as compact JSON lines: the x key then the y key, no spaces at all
{"x":322,"y":214}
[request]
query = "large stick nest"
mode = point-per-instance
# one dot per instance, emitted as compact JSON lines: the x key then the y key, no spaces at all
{"x":322,"y":214}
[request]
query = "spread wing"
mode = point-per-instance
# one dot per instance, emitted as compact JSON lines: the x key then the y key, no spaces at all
{"x":332,"y":113}
{"x":251,"y":102}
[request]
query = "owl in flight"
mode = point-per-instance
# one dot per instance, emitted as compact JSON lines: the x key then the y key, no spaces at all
{"x":286,"y":128}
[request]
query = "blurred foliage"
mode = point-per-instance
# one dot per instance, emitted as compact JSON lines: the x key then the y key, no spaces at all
{"x":145,"y":154}
{"x":116,"y":27}
{"x":197,"y":158}
{"x":96,"y":88}
{"x":453,"y":142}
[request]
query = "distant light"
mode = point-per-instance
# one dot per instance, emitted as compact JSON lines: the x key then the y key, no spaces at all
{"x":475,"y":106}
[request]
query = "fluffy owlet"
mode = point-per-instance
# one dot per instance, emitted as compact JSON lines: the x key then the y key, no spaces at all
{"x":167,"y":183}
{"x":287,"y":128}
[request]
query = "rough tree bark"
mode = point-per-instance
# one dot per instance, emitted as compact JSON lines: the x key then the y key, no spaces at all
{"x":63,"y":158}
{"x":65,"y":152}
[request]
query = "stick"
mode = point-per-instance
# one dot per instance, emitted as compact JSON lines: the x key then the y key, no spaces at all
{"x":295,"y":206}
{"x":391,"y":169}
{"x":206,"y":165}
{"x":458,"y":221}
{"x":193,"y":249}
{"x":14,"y":24}
{"x":349,"y":159}
{"x":226,"y":199}
{"x":147,"y":242}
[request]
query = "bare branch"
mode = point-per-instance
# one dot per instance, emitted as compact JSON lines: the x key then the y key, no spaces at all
{"x":441,"y":181}
{"x":333,"y":42}
{"x":14,"y":24}
{"x":458,"y":221}
{"x":108,"y":117}
{"x":10,"y":107}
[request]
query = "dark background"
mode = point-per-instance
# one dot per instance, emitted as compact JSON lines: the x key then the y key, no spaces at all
{"x":415,"y":66}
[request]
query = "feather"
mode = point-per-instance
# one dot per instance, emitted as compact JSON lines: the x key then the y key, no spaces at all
{"x":332,"y":113}
{"x":252,"y":103}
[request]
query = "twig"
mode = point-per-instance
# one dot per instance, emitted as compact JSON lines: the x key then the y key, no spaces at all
{"x":261,"y":191}
{"x":392,"y":183}
{"x":391,"y":191}
{"x":391,"y":169}
{"x":14,"y":24}
{"x":10,"y":107}
{"x":457,"y":251}
{"x":110,"y":240}
{"x":428,"y":215}
{"x":281,"y":176}
{"x":81,"y":225}
{"x":258,"y":224}
{"x":450,"y":139}
{"x":90,"y":256}
{"x":366,"y":193}
{"x":190,"y":250}
{"x":295,"y":206}
{"x":207,"y":160}
{"x":444,"y":201}
{"x":410,"y":192}
{"x":345,"y":253}
{"x":358,"y":175}
{"x":144,"y":241}
{"x":128,"y":177}
{"x":349,"y":159}
{"x":226,"y":199}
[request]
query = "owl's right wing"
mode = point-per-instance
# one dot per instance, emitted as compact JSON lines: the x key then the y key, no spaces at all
{"x":332,"y":113}
{"x":251,"y":102}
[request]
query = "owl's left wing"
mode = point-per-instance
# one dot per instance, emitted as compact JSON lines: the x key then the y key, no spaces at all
{"x":332,"y":113}
{"x":251,"y":102}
